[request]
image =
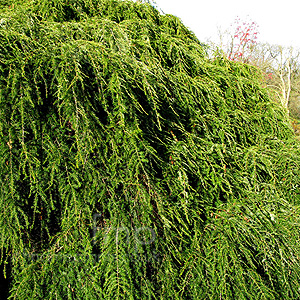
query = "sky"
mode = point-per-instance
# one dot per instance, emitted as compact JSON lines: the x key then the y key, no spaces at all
{"x":278,"y":21}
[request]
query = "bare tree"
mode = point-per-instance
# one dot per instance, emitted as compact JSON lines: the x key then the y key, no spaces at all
{"x":281,"y":68}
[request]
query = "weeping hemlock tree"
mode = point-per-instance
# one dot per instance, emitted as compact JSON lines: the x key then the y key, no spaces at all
{"x":133,"y":167}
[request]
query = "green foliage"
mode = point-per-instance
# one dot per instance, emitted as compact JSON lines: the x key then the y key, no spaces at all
{"x":110,"y":109}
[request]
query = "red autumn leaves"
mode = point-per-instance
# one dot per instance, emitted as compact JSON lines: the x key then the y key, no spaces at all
{"x":244,"y":38}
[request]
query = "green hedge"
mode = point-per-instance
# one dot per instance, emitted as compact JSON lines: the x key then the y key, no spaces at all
{"x":132,"y":166}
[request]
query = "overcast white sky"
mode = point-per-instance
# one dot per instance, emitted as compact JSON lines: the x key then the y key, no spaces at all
{"x":278,"y":20}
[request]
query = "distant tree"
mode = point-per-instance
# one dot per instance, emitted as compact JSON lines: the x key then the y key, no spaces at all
{"x":237,"y":41}
{"x":280,"y":65}
{"x":243,"y":40}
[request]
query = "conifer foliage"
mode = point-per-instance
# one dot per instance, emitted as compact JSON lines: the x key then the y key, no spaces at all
{"x":134,"y":167}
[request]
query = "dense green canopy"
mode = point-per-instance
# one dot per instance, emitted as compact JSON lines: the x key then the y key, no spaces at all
{"x":132,"y":166}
